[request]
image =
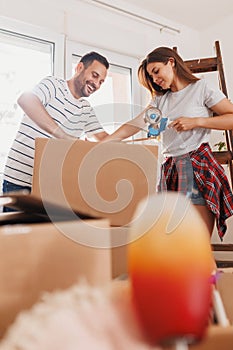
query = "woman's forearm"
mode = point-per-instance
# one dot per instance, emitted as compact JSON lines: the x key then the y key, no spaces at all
{"x":123,"y":132}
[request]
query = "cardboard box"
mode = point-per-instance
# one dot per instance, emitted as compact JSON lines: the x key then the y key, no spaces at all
{"x":101,"y":179}
{"x":46,"y":257}
{"x":219,"y":337}
{"x":225,"y":288}
{"x":216,"y":338}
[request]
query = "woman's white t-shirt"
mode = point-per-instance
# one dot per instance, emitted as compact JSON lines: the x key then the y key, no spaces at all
{"x":195,"y":100}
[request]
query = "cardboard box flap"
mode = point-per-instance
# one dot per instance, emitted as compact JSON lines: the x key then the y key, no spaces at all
{"x":31,"y":208}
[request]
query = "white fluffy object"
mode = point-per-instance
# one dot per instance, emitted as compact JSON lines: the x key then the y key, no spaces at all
{"x":82,"y":317}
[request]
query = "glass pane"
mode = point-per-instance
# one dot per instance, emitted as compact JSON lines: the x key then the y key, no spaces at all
{"x":24,"y":61}
{"x":113,"y":101}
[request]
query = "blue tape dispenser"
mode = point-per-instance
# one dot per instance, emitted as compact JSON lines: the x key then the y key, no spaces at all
{"x":157,"y":123}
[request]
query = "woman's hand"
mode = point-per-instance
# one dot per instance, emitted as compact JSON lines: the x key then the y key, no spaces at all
{"x":223,"y":120}
{"x":185,"y":123}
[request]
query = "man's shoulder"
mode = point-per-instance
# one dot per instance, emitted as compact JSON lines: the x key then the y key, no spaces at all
{"x":51,"y":79}
{"x":84,"y":102}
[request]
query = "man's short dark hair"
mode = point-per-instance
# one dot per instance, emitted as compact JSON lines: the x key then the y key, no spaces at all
{"x":94,"y":56}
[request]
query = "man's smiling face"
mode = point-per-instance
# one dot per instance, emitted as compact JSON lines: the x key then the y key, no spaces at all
{"x":88,"y":80}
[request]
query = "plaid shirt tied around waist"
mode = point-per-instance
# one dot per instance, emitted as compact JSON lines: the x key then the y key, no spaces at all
{"x":210,"y":178}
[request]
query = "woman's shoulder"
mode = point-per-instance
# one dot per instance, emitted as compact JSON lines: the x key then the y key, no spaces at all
{"x":201,"y":86}
{"x":201,"y":82}
{"x":159,"y":98}
{"x":209,"y":91}
{"x":207,"y":86}
{"x":205,"y":83}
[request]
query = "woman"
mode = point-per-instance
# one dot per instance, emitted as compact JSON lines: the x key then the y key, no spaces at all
{"x":188,"y":103}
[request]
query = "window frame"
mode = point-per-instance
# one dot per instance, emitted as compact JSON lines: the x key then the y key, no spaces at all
{"x":36,"y":33}
{"x":39,"y":33}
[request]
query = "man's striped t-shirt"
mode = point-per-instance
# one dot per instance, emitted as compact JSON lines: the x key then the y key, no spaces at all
{"x":75,"y":116}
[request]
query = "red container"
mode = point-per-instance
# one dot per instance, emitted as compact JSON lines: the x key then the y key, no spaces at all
{"x":170,"y":265}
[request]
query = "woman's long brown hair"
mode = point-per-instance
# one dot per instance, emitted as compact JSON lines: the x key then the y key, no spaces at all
{"x":163,"y":54}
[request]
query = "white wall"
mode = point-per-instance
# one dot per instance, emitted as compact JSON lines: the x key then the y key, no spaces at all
{"x":100,"y":27}
{"x":221,"y":31}
{"x":96,"y":26}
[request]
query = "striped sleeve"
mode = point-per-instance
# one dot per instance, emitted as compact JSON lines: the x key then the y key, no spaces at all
{"x":93,"y":125}
{"x":45,"y":90}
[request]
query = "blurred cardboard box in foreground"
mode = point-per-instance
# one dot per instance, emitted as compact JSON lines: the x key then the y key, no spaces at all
{"x":50,"y":256}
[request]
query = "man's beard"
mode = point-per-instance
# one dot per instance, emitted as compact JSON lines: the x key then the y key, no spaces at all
{"x":83,"y":90}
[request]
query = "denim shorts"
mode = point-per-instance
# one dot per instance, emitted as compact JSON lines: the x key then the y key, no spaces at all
{"x":196,"y":196}
{"x":10,"y":187}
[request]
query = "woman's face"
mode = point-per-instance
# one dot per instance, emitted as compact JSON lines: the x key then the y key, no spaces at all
{"x":161,"y":73}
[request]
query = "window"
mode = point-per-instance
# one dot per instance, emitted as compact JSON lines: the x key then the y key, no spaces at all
{"x":25,"y":59}
{"x":114,"y":103}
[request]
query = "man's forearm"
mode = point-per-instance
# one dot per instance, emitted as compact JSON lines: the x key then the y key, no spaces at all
{"x":35,"y":110}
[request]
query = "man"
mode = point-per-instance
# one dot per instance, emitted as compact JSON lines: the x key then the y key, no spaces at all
{"x":55,"y":108}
